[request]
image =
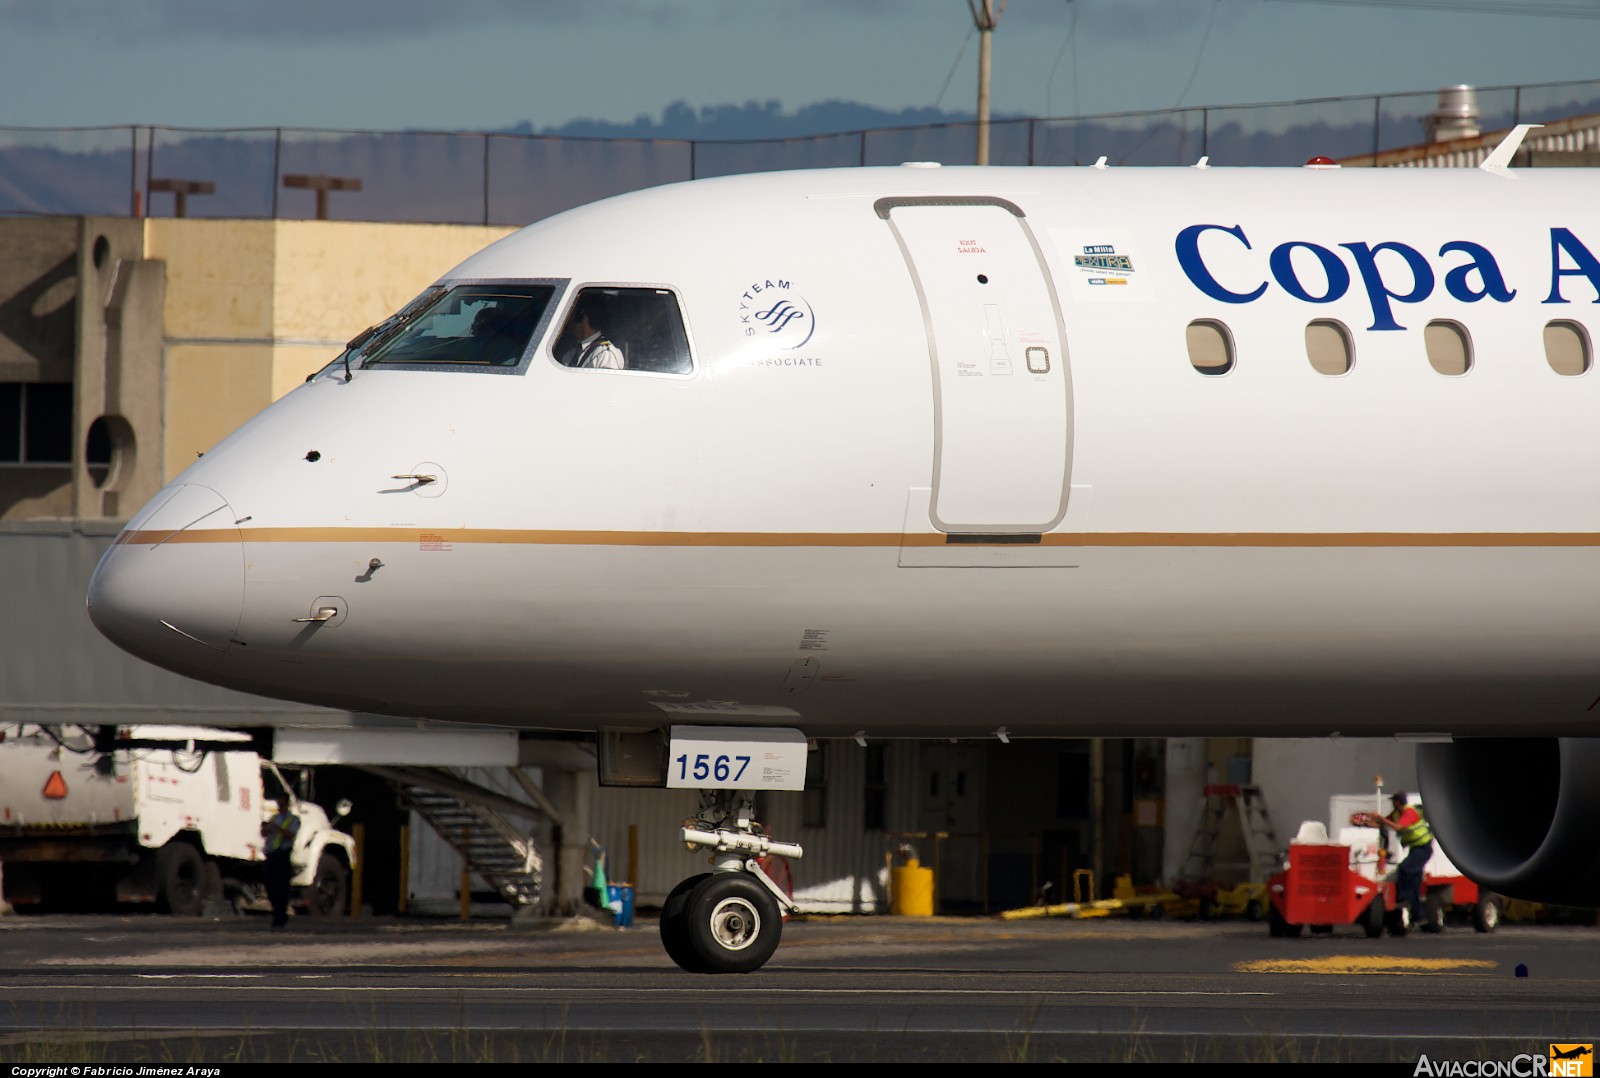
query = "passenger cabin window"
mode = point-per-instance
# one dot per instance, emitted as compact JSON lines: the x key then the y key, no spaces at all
{"x":1566,"y":348}
{"x":1210,"y":347}
{"x":1449,"y":347}
{"x":1329,"y":347}
{"x":475,"y":325}
{"x":624,"y":329}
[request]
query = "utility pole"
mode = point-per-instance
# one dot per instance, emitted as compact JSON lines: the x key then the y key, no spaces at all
{"x":986,"y":18}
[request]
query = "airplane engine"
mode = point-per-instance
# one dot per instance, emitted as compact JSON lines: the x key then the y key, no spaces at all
{"x":1518,"y":815}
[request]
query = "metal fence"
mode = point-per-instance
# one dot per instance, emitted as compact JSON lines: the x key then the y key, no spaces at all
{"x":501,"y":178}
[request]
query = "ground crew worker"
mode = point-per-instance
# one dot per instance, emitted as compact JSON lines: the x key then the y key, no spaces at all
{"x":280,"y":832}
{"x":1408,"y":822}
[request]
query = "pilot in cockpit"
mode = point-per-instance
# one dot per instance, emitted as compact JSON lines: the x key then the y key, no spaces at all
{"x":585,"y":341}
{"x":495,"y":331}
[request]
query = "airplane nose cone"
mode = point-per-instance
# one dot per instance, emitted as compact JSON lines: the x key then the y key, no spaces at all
{"x":171,"y":588}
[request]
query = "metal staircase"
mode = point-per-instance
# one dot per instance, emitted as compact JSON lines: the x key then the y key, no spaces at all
{"x":473,"y":821}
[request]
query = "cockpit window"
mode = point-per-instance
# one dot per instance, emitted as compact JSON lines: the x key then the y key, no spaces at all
{"x":472,"y":325}
{"x":631,"y":329}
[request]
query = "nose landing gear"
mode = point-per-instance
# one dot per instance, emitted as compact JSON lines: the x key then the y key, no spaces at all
{"x":728,"y":920}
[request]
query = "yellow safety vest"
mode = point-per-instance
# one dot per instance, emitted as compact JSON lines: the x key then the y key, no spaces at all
{"x":282,"y":830}
{"x":1416,"y":834}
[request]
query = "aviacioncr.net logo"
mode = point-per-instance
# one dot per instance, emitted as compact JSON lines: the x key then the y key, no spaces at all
{"x":1563,"y":1061}
{"x":773,"y":312}
{"x":1572,"y":1060}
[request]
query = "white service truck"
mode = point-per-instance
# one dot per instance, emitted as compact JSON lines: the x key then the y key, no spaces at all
{"x":171,"y":815}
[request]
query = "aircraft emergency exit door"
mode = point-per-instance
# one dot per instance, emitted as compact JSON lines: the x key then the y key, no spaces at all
{"x":1002,"y":395}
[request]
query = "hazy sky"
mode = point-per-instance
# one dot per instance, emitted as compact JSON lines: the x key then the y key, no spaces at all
{"x":476,"y":64}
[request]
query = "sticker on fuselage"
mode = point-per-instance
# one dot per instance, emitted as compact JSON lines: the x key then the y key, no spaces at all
{"x":773,"y":312}
{"x":776,"y":321}
{"x":1101,"y":264}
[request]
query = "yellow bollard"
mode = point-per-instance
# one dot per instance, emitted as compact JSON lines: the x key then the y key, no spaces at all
{"x":911,"y":890}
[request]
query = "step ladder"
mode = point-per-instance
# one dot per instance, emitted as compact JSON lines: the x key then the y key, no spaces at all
{"x":474,"y":822}
{"x":1225,"y":804}
{"x":495,"y":849}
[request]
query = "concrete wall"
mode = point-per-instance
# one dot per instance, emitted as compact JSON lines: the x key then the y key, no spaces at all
{"x":81,"y":306}
{"x":117,"y":374}
{"x":39,"y":301}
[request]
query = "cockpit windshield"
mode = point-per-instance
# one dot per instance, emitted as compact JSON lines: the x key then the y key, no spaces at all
{"x":472,"y":325}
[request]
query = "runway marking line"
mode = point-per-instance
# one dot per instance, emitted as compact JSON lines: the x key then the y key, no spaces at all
{"x":1363,"y":964}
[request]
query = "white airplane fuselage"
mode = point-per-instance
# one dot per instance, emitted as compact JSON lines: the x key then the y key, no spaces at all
{"x":971,"y":481}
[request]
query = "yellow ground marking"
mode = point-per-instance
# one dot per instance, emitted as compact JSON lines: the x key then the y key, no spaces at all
{"x":1363,"y":964}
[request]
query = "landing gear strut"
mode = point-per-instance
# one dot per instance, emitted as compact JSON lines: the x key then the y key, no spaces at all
{"x":728,"y":920}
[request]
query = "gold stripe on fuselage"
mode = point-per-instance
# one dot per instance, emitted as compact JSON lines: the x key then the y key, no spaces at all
{"x":534,"y":537}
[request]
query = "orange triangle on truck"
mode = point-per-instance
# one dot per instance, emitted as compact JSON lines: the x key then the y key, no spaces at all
{"x":55,"y":787}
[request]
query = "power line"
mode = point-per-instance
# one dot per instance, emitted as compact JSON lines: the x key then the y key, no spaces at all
{"x":1049,"y":95}
{"x":962,"y":52}
{"x":1200,"y":53}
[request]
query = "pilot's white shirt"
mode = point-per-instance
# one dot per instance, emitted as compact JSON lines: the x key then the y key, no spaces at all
{"x":595,"y":351}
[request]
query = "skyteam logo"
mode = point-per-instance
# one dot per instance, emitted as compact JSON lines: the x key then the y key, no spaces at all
{"x":772,"y":312}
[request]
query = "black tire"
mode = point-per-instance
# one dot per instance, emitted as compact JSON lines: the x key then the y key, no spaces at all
{"x":330,"y":887}
{"x":1278,"y":927}
{"x":733,"y":923}
{"x":1372,"y":919}
{"x":675,"y":930}
{"x":1252,"y":910}
{"x":1486,"y":916}
{"x":181,"y":872}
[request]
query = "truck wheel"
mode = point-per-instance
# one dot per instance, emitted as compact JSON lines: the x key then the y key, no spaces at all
{"x":1278,"y":927}
{"x":1486,"y":917}
{"x":211,"y":883}
{"x":1372,"y":920}
{"x":181,"y":872}
{"x":1433,"y":912}
{"x":329,"y":889}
